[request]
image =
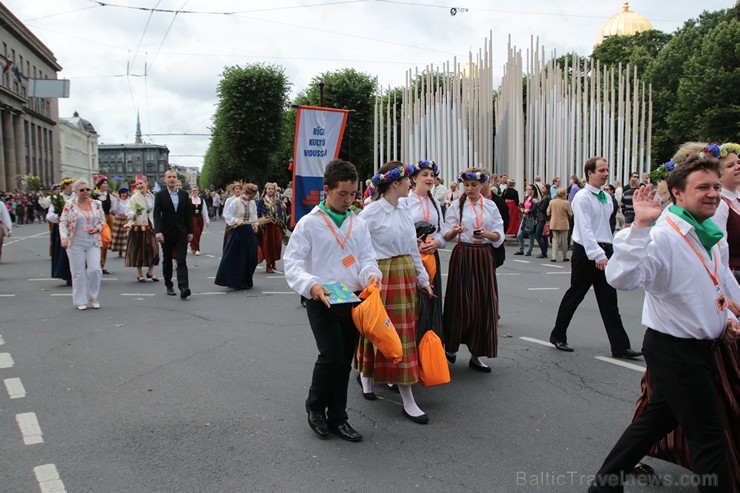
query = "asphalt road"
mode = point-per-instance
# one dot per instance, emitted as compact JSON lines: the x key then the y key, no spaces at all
{"x":155,"y":394}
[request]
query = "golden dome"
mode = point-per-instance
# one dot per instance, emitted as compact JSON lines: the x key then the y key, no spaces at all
{"x":625,"y":23}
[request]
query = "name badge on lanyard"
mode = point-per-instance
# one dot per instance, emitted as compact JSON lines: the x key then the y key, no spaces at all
{"x":349,"y":260}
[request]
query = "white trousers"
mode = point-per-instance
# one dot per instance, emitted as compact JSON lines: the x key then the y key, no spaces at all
{"x":85,"y":281}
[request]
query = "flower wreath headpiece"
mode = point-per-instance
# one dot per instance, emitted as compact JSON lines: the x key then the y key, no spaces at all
{"x":661,"y":172}
{"x":395,"y":174}
{"x":67,"y":181}
{"x":431,"y":165}
{"x":473,"y":175}
{"x":729,"y":148}
{"x":99,"y":179}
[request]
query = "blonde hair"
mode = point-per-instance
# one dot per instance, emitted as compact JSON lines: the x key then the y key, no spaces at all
{"x":686,"y":150}
{"x":561,"y":193}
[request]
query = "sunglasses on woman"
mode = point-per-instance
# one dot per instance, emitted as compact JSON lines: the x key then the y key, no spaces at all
{"x":83,"y":190}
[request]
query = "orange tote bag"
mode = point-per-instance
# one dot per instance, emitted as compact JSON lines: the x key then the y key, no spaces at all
{"x":373,"y":323}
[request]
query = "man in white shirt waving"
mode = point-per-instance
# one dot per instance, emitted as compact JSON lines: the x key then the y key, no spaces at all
{"x":592,"y":247}
{"x":331,"y":245}
{"x":688,"y":288}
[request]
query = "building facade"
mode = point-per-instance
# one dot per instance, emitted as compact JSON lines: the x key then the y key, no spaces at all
{"x":128,"y":160}
{"x":191,"y":173}
{"x":28,"y":126}
{"x":78,"y":142}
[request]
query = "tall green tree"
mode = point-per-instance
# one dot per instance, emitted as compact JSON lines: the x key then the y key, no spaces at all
{"x":344,"y":89}
{"x":248,"y":125}
{"x":638,"y":50}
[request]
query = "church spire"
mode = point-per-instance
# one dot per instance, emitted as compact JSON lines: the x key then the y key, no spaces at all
{"x":138,"y":129}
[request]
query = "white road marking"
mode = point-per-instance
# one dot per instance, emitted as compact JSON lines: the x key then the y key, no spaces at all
{"x":621,"y":363}
{"x":43,"y":279}
{"x":15,"y":388}
{"x":109,"y":279}
{"x":30,"y":429}
{"x":553,"y":266}
{"x":278,"y":272}
{"x":61,"y":294}
{"x":522,"y":261}
{"x":279,"y":292}
{"x":16,"y":239}
{"x":212,"y":277}
{"x":275,"y":277}
{"x":6,"y":361}
{"x":48,"y":479}
{"x":508,"y":274}
{"x":6,"y":295}
{"x":542,"y":289}
{"x":210,"y":256}
{"x":138,"y":294}
{"x":537,"y":341}
{"x":2,"y":341}
{"x":209,"y":293}
{"x":557,"y":273}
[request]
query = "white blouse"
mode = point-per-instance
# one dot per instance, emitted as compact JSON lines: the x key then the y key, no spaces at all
{"x":235,"y":210}
{"x":423,"y":209}
{"x":484,"y":216}
{"x":393,"y":234}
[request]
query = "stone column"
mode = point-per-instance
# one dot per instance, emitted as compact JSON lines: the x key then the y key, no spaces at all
{"x":9,"y":151}
{"x":20,"y":157}
{"x":3,"y":169}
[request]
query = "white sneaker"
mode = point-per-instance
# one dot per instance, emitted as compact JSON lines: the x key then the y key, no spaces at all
{"x":82,"y":307}
{"x":95,"y":304}
{"x":197,"y":253}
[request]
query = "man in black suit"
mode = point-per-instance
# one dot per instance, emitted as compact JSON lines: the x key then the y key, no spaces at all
{"x":173,"y":224}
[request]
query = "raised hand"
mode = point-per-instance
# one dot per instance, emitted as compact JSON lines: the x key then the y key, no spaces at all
{"x":647,"y":207}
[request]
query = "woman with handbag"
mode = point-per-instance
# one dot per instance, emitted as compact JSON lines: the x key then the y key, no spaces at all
{"x":541,"y":215}
{"x":425,"y":210}
{"x":470,"y":308}
{"x":141,"y":246}
{"x":394,"y":239}
{"x":80,"y":224}
{"x":200,"y":218}
{"x":560,"y":212}
{"x":529,"y":219}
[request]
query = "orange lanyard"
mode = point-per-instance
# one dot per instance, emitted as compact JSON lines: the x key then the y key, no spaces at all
{"x":732,"y":204}
{"x":426,"y":211}
{"x":478,"y":218}
{"x":713,"y":276}
{"x":87,"y":214}
{"x":342,"y":242}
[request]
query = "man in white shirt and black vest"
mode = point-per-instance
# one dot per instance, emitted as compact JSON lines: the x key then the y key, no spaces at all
{"x":682,"y":266}
{"x":592,"y":247}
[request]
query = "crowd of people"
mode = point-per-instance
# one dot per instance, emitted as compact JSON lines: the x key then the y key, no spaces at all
{"x":679,"y":241}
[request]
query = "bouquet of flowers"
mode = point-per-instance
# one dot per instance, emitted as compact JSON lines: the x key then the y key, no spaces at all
{"x":138,"y":209}
{"x":58,"y":202}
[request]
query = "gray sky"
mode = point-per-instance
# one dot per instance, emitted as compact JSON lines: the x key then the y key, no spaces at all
{"x":186,"y":53}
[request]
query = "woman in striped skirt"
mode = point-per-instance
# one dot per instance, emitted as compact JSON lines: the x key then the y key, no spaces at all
{"x":423,"y":207}
{"x":470,"y":300}
{"x":118,"y":233}
{"x":394,"y":240}
{"x":141,"y":247}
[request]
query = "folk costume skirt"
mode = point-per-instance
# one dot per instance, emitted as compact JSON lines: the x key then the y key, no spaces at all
{"x":673,"y":447}
{"x":227,"y":229}
{"x":515,"y":217}
{"x":59,"y":260}
{"x":430,"y":311}
{"x":471,"y":301}
{"x":197,"y":232}
{"x":141,"y":248}
{"x":399,"y":296}
{"x":118,"y":234}
{"x":271,"y":242}
{"x":239,"y":259}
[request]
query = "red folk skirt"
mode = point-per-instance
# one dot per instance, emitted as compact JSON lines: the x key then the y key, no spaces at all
{"x":673,"y":447}
{"x":197,"y":232}
{"x":515,"y":217}
{"x":399,"y":296}
{"x":271,"y":242}
{"x":118,"y":234}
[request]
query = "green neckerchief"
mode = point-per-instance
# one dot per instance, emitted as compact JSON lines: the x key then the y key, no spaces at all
{"x":601,"y":196}
{"x":708,"y":232}
{"x":337,"y":217}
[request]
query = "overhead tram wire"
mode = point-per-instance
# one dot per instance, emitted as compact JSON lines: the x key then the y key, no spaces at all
{"x":205,"y":12}
{"x":25,"y":21}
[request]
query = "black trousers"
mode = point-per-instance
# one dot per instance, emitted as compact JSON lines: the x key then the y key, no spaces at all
{"x":584,"y":274}
{"x":180,"y":248}
{"x":683,"y":373}
{"x":336,"y":339}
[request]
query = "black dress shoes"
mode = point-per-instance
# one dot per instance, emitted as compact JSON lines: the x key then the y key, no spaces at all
{"x":171,"y":291}
{"x":422,"y":420}
{"x":367,"y":395}
{"x":560,"y":345}
{"x":346,"y":432}
{"x":451,"y":357}
{"x":317,"y":423}
{"x":626,"y":354}
{"x":184,"y":293}
{"x":477,"y":367}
